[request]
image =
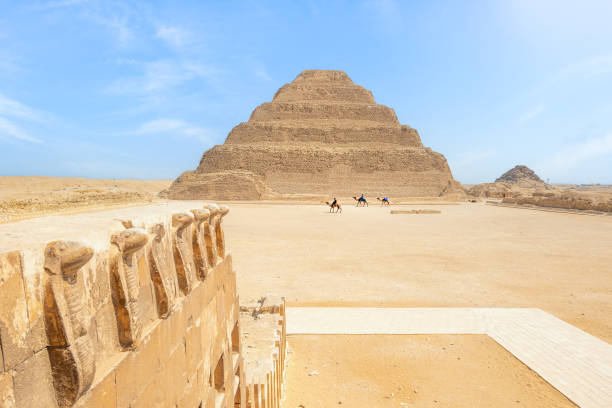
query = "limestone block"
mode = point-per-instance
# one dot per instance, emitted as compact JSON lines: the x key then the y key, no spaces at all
{"x":14,"y":321}
{"x":154,"y":395}
{"x":161,"y":248}
{"x":182,"y":251}
{"x":138,"y":369}
{"x":220,"y":238}
{"x":157,"y":264}
{"x":125,"y":285}
{"x":193,"y":346}
{"x":176,"y":374}
{"x":101,"y":395}
{"x":106,"y":337}
{"x":210,"y":234}
{"x":198,"y":239}
{"x":191,"y":395}
{"x":7,"y":397}
{"x":33,"y":382}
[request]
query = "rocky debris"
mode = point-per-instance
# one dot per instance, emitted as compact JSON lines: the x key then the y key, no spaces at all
{"x":563,"y":200}
{"x":321,"y":134}
{"x":225,"y":185}
{"x":519,"y":174}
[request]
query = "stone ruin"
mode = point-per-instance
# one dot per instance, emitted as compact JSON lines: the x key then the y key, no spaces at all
{"x":127,"y":308}
{"x":320,"y":135}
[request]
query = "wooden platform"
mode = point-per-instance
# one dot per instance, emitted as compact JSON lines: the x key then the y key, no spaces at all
{"x":574,"y":362}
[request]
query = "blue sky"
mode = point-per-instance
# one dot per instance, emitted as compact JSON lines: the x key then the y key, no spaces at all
{"x":120,"y":89}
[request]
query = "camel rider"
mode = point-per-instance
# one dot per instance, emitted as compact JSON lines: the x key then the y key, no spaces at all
{"x":386,"y":199}
{"x":334,"y":202}
{"x":362,"y":198}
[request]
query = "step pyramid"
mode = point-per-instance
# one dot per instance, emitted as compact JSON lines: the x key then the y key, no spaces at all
{"x":320,"y":135}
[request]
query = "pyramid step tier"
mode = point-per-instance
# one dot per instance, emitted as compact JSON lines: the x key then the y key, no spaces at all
{"x":298,"y":92}
{"x":323,"y":110}
{"x":400,"y":171}
{"x":317,"y":131}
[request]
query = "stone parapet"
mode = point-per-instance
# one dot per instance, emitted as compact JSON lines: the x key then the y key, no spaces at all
{"x":264,"y":336}
{"x":125,"y":308}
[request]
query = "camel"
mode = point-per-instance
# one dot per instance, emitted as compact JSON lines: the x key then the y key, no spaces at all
{"x":337,"y":206}
{"x":384,"y":201}
{"x":361,"y":201}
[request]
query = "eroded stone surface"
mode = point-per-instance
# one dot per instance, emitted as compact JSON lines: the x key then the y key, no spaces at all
{"x":110,"y":325}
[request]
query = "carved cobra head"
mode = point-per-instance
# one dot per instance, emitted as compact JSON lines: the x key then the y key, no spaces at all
{"x":130,"y":240}
{"x":223,"y":210}
{"x":181,"y":220}
{"x":200,"y":215}
{"x":159,"y":231}
{"x":213,"y":208}
{"x":66,"y":257}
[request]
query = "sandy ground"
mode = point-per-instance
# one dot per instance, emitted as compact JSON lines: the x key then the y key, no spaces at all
{"x":460,"y":371}
{"x":32,"y":196}
{"x":471,"y":255}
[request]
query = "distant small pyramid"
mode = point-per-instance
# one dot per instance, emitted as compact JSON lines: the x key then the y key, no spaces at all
{"x":519,"y":173}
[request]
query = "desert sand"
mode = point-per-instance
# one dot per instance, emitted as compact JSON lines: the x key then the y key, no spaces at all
{"x":471,"y":255}
{"x":30,"y":196}
{"x":468,"y":254}
{"x":461,"y":371}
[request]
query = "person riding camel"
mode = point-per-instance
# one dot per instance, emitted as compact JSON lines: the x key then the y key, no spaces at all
{"x":362,"y":198}
{"x":334,"y":202}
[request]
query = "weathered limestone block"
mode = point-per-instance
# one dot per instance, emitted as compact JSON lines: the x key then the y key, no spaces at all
{"x":210,"y":235}
{"x":220,"y":237}
{"x":157,"y":264}
{"x":125,"y":285}
{"x":106,"y":287}
{"x":34,"y":383}
{"x":198,"y":239}
{"x":182,"y":251}
{"x":67,"y":320}
{"x":7,"y":396}
{"x":14,"y":321}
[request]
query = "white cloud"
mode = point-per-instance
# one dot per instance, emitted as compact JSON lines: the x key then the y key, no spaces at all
{"x":161,"y":75}
{"x":262,"y":74}
{"x":587,"y":68}
{"x":9,"y":130}
{"x":467,"y":158}
{"x":176,"y":127}
{"x":582,"y":151}
{"x":50,"y":5}
{"x":160,"y":126}
{"x":10,"y":107}
{"x":175,"y":37}
{"x":531,"y":114}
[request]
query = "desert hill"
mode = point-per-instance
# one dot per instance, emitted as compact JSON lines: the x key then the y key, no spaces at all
{"x":321,"y":134}
{"x":29,"y":196}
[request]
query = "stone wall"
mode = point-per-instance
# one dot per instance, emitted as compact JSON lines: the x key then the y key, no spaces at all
{"x":264,"y":338}
{"x":125,"y":308}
